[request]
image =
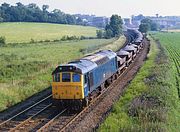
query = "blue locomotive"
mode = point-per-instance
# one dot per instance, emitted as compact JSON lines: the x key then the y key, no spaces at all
{"x":74,"y":83}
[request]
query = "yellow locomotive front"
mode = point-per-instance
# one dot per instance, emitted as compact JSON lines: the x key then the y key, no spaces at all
{"x":67,"y":86}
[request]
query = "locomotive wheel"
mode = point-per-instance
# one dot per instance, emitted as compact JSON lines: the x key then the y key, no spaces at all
{"x":85,"y":102}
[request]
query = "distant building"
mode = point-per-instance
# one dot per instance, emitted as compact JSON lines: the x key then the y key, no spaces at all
{"x":92,"y":20}
{"x":167,"y":21}
{"x":100,"y":22}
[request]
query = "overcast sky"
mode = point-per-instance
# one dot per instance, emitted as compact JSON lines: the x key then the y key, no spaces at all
{"x":124,"y":8}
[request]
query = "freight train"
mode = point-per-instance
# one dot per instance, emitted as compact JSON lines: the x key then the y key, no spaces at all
{"x":76,"y":83}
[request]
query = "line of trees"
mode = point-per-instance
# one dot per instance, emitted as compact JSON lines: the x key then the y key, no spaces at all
{"x":112,"y":29}
{"x":33,"y":13}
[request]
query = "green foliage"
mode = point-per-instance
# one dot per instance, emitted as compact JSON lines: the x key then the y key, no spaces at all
{"x":82,"y":37}
{"x":146,"y":20}
{"x":147,"y":25}
{"x":114,"y":28}
{"x":144,"y":27}
{"x":99,"y":34}
{"x":32,"y":13}
{"x":154,"y":26}
{"x":23,"y":32}
{"x":2,"y":41}
{"x":1,"y":19}
{"x":108,"y":34}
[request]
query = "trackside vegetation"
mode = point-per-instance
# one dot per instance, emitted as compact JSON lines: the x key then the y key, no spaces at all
{"x":151,"y":101}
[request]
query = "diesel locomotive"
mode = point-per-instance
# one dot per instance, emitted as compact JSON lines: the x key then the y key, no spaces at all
{"x":74,"y":84}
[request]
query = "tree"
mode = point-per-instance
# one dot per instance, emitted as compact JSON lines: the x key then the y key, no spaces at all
{"x":147,"y":24}
{"x":99,"y":34}
{"x":1,"y":19}
{"x":70,"y":19}
{"x":114,"y":28}
{"x":116,"y":25}
{"x":79,"y":21}
{"x":154,"y":26}
{"x":32,"y":13}
{"x":146,"y":20}
{"x":45,"y":7}
{"x":19,"y":4}
{"x":33,"y":6}
{"x":144,"y":27}
{"x":108,"y":34}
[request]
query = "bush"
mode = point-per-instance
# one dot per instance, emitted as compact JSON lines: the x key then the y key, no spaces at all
{"x":32,"y":40}
{"x":2,"y":41}
{"x":82,"y":37}
{"x":47,"y":40}
{"x":65,"y":38}
{"x":99,"y":34}
{"x":108,"y":34}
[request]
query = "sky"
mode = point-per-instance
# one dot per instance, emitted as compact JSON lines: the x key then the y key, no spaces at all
{"x":124,"y":8}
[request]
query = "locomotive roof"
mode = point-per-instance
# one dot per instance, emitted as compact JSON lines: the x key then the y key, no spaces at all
{"x":89,"y":62}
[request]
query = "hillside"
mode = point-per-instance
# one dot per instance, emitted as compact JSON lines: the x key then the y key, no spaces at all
{"x":19,"y":32}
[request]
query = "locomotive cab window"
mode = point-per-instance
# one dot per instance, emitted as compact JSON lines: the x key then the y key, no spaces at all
{"x":76,"y":77}
{"x":56,"y":77}
{"x":66,"y":77}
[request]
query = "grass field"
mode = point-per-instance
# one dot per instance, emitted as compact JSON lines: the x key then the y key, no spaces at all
{"x":151,"y":101}
{"x":19,"y":32}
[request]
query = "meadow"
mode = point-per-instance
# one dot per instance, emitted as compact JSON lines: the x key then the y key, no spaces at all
{"x":151,"y":101}
{"x":20,"y":32}
{"x":26,"y":68}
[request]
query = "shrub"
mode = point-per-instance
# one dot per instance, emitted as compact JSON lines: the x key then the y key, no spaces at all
{"x":32,"y":41}
{"x":2,"y":41}
{"x":47,"y":40}
{"x":99,"y":34}
{"x":64,"y":38}
{"x":82,"y":37}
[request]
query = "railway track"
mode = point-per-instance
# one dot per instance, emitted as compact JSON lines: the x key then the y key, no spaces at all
{"x":24,"y":118}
